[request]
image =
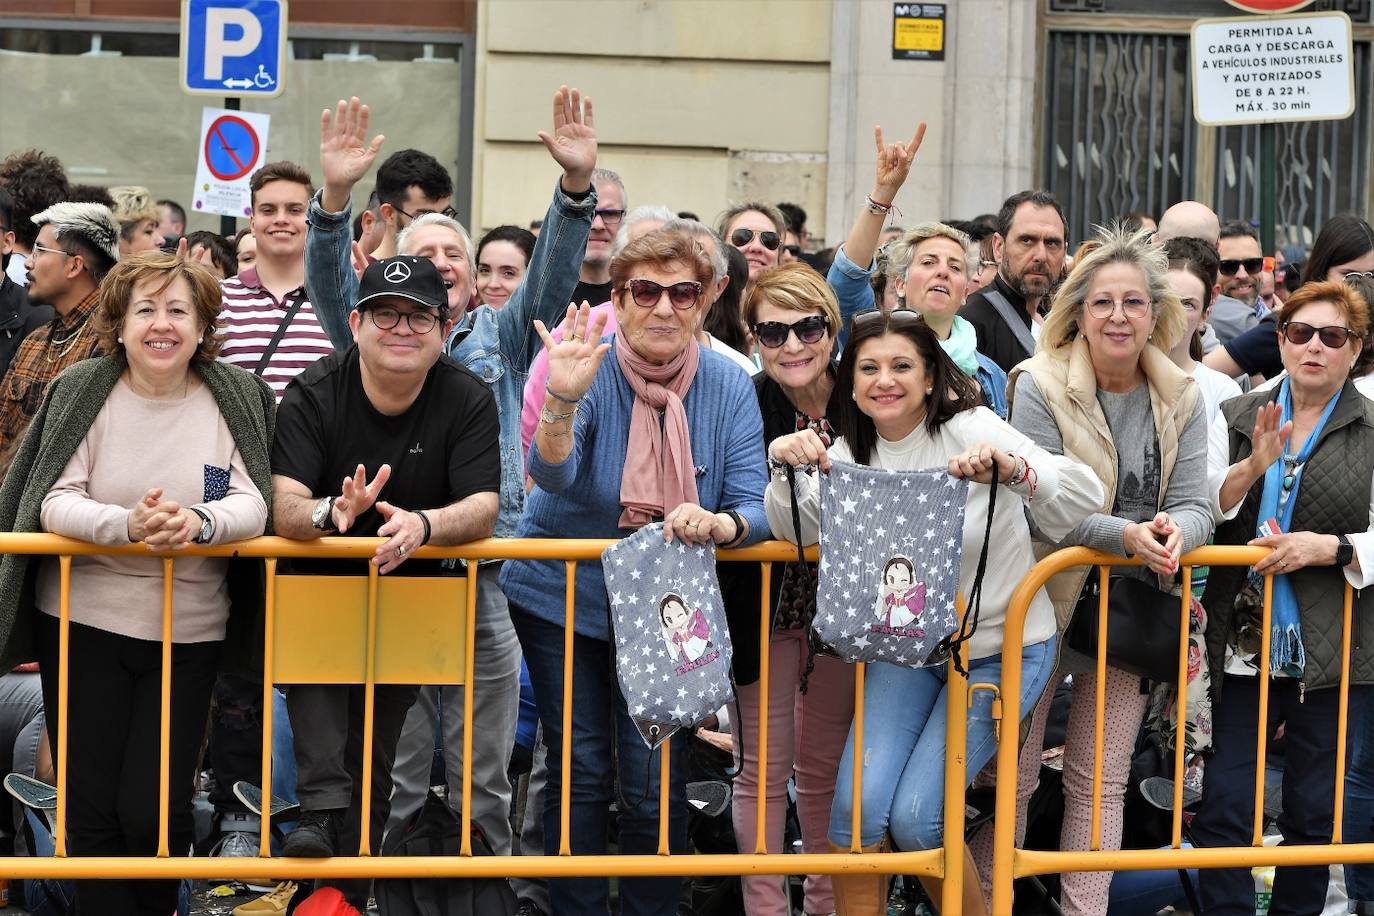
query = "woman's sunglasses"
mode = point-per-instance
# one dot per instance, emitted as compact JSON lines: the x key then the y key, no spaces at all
{"x":647,"y":293}
{"x":773,"y":334}
{"x":901,"y":316}
{"x":741,"y":237}
{"x":1333,"y":336}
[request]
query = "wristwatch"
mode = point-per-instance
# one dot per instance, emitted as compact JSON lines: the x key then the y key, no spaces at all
{"x":207,"y":526}
{"x":1345,"y":551}
{"x":323,"y":515}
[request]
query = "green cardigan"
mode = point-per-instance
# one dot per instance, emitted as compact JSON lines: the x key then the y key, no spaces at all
{"x":69,"y":408}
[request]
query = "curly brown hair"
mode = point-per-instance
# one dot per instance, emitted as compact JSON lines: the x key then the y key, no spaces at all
{"x":118,"y":289}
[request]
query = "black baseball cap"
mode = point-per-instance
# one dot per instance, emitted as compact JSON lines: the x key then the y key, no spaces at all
{"x":404,"y":277}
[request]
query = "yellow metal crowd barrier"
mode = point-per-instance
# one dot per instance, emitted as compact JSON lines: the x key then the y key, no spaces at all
{"x":378,"y":630}
{"x":390,"y":629}
{"x":1011,"y":863}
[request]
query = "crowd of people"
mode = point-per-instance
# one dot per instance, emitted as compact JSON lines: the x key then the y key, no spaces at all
{"x":1164,"y":386}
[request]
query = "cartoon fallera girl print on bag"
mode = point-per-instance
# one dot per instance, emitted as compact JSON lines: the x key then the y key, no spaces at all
{"x":688,"y":635}
{"x":900,"y":599}
{"x":668,"y":630}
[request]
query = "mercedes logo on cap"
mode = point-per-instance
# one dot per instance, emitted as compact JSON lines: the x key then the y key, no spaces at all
{"x":397,"y":272}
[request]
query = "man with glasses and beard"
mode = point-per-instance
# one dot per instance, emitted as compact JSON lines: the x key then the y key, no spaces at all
{"x":594,"y":283}
{"x":1029,"y":248}
{"x":388,"y":438}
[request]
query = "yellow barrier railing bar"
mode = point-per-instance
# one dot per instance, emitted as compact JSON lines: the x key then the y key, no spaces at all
{"x":165,"y":726}
{"x":64,"y":639}
{"x":268,"y":705}
{"x":469,"y":656}
{"x":956,"y":749}
{"x":1100,"y":705}
{"x":856,"y":800}
{"x":565,"y":780}
{"x":765,"y":656}
{"x":369,"y":709}
{"x":1262,"y":729}
{"x":1181,"y":707}
{"x":664,"y":779}
{"x":1338,"y":811}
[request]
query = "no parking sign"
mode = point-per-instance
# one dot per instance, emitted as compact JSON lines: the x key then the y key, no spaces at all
{"x":233,"y":145}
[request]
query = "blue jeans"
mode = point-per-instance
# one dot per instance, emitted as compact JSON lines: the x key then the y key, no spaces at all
{"x":1144,"y":893}
{"x":904,"y":747}
{"x":1359,"y":802}
{"x":606,"y":750}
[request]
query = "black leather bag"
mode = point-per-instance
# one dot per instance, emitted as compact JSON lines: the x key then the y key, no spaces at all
{"x":1142,"y":627}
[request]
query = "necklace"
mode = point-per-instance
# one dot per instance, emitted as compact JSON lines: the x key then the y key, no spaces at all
{"x":70,"y":341}
{"x":1290,"y":471}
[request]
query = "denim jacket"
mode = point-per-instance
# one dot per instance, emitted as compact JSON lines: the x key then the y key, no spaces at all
{"x":498,"y":345}
{"x":852,"y":289}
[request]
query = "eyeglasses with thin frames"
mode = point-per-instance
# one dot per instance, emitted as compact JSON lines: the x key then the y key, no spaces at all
{"x":387,"y":318}
{"x":447,"y":211}
{"x":37,"y":248}
{"x":1131,"y":307}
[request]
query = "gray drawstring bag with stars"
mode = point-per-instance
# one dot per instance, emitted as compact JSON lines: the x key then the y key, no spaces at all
{"x":668,"y":631}
{"x":891,"y":543}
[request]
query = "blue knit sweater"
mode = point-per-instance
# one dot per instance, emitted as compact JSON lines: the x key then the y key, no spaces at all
{"x":580,"y":497}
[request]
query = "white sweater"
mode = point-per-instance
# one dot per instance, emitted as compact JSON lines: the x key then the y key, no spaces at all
{"x":1066,"y":493}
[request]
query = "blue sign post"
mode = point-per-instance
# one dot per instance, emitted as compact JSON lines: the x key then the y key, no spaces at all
{"x":233,"y":47}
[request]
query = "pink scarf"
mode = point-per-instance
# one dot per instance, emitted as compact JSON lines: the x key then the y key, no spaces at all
{"x":658,"y":475}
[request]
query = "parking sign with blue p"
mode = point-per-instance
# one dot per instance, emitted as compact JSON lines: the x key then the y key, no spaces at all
{"x":233,"y":47}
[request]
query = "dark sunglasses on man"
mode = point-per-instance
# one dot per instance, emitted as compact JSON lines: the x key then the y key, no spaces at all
{"x":1333,"y":336}
{"x":741,"y":237}
{"x":1253,"y":266}
{"x":773,"y":334}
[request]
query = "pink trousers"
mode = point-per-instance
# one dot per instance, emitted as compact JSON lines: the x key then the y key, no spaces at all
{"x":806,"y":736}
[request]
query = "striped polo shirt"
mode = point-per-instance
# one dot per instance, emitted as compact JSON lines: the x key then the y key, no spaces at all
{"x":249,"y":320}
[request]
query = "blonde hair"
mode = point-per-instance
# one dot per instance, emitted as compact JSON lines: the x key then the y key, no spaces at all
{"x":794,"y":286}
{"x":133,"y":205}
{"x":902,"y":250}
{"x":1115,"y":244}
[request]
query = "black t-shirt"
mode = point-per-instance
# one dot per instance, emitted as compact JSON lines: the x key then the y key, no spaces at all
{"x":1257,"y":350}
{"x":592,"y":293}
{"x":443,"y":448}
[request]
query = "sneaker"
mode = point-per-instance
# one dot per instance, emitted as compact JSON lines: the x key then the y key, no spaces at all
{"x":315,"y":837}
{"x":273,"y":904}
{"x":238,"y":839}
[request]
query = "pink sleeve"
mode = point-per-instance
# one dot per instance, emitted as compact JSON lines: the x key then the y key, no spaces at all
{"x":534,"y":398}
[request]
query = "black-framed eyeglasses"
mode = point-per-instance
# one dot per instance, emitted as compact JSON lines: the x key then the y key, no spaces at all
{"x":793,"y":250}
{"x":1333,"y":336}
{"x":611,"y":216}
{"x":682,"y":295}
{"x":387,"y":318}
{"x":447,"y":211}
{"x":1229,"y":266}
{"x":741,"y":237}
{"x":809,"y":330}
{"x":1131,"y":307}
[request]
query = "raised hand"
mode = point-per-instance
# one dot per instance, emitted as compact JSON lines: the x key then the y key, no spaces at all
{"x":574,"y":360}
{"x":894,"y":162}
{"x":358,"y":496}
{"x":1269,"y":438}
{"x":573,"y":141}
{"x":345,"y":154}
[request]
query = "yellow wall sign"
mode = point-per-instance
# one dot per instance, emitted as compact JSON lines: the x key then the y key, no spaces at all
{"x":918,"y":31}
